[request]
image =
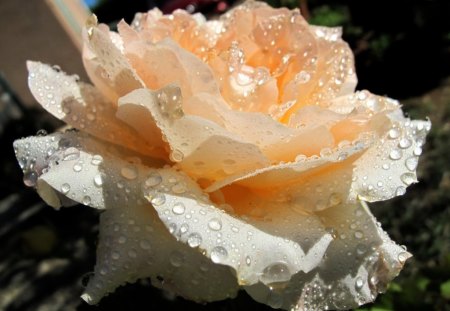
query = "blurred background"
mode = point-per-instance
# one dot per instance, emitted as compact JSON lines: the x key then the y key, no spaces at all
{"x":402,"y":50}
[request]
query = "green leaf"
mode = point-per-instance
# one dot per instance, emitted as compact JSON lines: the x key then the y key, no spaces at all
{"x":445,"y":289}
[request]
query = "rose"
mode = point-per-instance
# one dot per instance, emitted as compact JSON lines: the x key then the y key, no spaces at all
{"x":227,"y":154}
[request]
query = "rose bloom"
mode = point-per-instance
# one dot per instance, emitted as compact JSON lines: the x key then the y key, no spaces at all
{"x":225,"y":155}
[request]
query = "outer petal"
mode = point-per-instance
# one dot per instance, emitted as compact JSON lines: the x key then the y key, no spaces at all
{"x":393,"y":160}
{"x":254,"y":249}
{"x":359,"y":263}
{"x":71,"y":166}
{"x":201,"y":147}
{"x":134,"y":244}
{"x":83,"y":107}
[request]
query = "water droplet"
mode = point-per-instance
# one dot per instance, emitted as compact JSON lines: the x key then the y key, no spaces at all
{"x":178,"y":188}
{"x":395,"y":154}
{"x":385,"y":166}
{"x":129,"y":172}
{"x":275,"y":273}
{"x":394,"y":133}
{"x":408,"y":178}
{"x":96,"y":160}
{"x":219,"y":254}
{"x":122,"y":239}
{"x":158,"y":199}
{"x":176,"y":259}
{"x":153,"y":180}
{"x":194,"y":239}
{"x":65,"y":188}
{"x":302,"y":77}
{"x":176,"y":156}
{"x":184,"y":228}
{"x":417,"y":151}
{"x":78,"y":167}
{"x":404,"y":143}
{"x":402,"y":257}
{"x":71,"y":153}
{"x":400,"y":190}
{"x":98,"y":181}
{"x":361,"y":249}
{"x":359,"y":283}
{"x":178,"y":208}
{"x":358,"y":235}
{"x":30,"y":178}
{"x":411,"y":163}
{"x":215,"y":224}
{"x":145,"y":244}
{"x":248,"y":260}
{"x":86,"y":200}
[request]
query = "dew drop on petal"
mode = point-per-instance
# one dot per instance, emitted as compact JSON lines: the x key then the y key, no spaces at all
{"x":359,"y":283}
{"x":98,"y":181}
{"x":411,"y":163}
{"x":395,"y":154}
{"x":178,"y":208}
{"x":402,"y":257}
{"x":153,"y":180}
{"x":400,"y":190}
{"x":129,"y":172}
{"x":96,"y":160}
{"x":158,"y":199}
{"x":394,"y":133}
{"x":65,"y":188}
{"x":219,"y":254}
{"x":408,"y":178}
{"x":71,"y":153}
{"x":275,"y":273}
{"x":215,"y":224}
{"x":194,"y":239}
{"x":86,"y":200}
{"x":404,"y":143}
{"x":30,"y":178}
{"x":78,"y":167}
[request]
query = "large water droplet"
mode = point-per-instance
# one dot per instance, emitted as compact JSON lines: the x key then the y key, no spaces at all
{"x":96,"y":160}
{"x":277,"y":272}
{"x":359,"y":283}
{"x":98,"y":181}
{"x":395,"y":154}
{"x":86,"y":200}
{"x":408,"y":178}
{"x":71,"y":153}
{"x":177,"y":156}
{"x":153,"y":180}
{"x":411,"y":163}
{"x":158,"y":199}
{"x":404,"y":143}
{"x":129,"y":172}
{"x":30,"y":178}
{"x":215,"y":224}
{"x":219,"y":254}
{"x":65,"y":188}
{"x":178,"y":208}
{"x":194,"y":239}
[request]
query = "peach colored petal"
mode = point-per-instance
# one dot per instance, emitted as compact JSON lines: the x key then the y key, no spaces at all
{"x":81,"y":168}
{"x":201,"y":147}
{"x":105,"y":63}
{"x":360,"y":262}
{"x":179,"y":66}
{"x":134,"y":244}
{"x":226,"y":240}
{"x":83,"y":107}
